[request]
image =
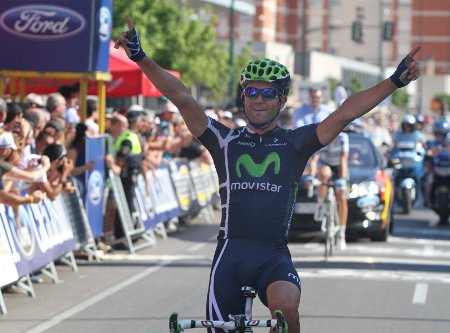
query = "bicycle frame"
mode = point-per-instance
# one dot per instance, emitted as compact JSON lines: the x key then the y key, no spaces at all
{"x":237,"y":323}
{"x":331,"y":217}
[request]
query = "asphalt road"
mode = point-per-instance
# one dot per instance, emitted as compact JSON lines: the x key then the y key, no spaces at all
{"x":399,"y":286}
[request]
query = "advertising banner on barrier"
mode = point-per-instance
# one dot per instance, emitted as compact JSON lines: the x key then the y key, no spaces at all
{"x":8,"y":271}
{"x":41,"y":234}
{"x":201,"y":177}
{"x":95,"y":184}
{"x":184,"y":188}
{"x":145,"y":205}
{"x":163,"y":194}
{"x":53,"y":32}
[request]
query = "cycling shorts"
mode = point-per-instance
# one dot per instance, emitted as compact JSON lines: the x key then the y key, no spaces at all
{"x":245,"y":262}
{"x":340,"y":183}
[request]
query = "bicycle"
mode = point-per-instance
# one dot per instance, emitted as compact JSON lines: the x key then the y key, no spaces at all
{"x":242,"y":323}
{"x":329,"y":217}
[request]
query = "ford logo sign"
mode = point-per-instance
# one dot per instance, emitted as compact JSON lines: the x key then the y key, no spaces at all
{"x":42,"y":22}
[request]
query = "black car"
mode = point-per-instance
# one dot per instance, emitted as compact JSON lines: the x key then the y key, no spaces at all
{"x":370,"y":196}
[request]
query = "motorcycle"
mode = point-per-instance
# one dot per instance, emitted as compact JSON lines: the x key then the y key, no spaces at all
{"x":441,"y":174}
{"x":406,"y":159}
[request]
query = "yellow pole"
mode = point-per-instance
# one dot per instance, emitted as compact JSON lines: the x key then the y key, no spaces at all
{"x":101,"y":105}
{"x":83,"y":95}
{"x":2,"y":86}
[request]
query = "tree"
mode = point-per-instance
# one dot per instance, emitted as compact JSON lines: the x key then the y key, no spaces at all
{"x":400,"y":98}
{"x":177,"y":39}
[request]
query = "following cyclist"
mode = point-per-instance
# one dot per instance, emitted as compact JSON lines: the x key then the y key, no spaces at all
{"x":259,"y":167}
{"x":333,"y":159}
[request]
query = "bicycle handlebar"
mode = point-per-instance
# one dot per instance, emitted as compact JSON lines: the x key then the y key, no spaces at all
{"x":227,"y":325}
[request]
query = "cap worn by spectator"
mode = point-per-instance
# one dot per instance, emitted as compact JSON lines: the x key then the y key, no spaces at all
{"x":7,"y":141}
{"x":34,"y":100}
{"x":136,"y":107}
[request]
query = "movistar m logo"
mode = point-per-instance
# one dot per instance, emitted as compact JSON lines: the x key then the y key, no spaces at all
{"x":255,"y":169}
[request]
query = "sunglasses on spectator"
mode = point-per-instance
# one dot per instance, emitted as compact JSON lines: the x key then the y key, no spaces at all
{"x":266,"y":93}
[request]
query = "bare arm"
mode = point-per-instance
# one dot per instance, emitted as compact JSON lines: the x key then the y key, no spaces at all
{"x":359,"y":104}
{"x":171,"y":87}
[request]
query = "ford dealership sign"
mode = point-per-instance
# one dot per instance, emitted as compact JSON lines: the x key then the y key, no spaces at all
{"x":42,"y":22}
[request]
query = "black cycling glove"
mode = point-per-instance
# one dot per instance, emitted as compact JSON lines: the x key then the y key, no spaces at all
{"x":400,"y":76}
{"x":135,"y":51}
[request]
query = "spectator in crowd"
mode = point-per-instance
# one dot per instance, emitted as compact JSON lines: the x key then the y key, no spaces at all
{"x":3,"y":111}
{"x":42,"y":140}
{"x":311,"y":113}
{"x":92,"y":116}
{"x":71,"y":95}
{"x":129,"y":159}
{"x":77,"y":153}
{"x":33,"y":100}
{"x":226,"y":118}
{"x":58,"y":174}
{"x":14,"y":116}
{"x":285,"y":119}
{"x":56,"y":105}
{"x":339,"y":94}
{"x":191,"y":148}
{"x":55,"y":129}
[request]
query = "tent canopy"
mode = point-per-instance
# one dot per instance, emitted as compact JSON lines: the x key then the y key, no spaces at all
{"x":127,"y":77}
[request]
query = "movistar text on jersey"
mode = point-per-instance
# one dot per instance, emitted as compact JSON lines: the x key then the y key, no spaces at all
{"x":256,"y":186}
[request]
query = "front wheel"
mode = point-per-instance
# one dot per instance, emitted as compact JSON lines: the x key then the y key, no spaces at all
{"x":406,"y":200}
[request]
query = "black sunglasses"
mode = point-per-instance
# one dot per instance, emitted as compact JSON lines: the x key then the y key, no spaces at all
{"x":266,"y":93}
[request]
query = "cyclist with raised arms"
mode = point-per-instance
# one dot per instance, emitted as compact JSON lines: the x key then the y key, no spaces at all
{"x":259,"y":167}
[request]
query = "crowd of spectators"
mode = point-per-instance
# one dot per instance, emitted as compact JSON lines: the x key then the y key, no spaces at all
{"x":42,"y":147}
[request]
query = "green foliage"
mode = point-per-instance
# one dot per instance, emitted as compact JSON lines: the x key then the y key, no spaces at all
{"x":333,"y":83}
{"x":176,"y":39}
{"x":355,"y":85}
{"x":400,"y":98}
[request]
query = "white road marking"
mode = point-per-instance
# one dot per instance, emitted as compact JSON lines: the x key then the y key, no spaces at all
{"x":379,"y":275}
{"x":42,"y":327}
{"x":153,"y":257}
{"x":196,"y":247}
{"x":420,"y":293}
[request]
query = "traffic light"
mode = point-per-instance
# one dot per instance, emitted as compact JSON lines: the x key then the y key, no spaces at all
{"x":388,"y":30}
{"x":357,"y":32}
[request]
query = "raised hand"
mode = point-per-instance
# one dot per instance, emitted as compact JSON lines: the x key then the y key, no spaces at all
{"x":129,"y":40}
{"x":408,"y":70}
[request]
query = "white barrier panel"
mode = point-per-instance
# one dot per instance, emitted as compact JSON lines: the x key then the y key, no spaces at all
{"x":44,"y":235}
{"x":163,"y":194}
{"x":8,"y":270}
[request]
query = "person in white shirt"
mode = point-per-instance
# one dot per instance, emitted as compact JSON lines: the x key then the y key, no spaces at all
{"x":311,"y":113}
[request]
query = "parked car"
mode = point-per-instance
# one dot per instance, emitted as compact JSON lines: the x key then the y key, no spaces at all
{"x":370,"y":196}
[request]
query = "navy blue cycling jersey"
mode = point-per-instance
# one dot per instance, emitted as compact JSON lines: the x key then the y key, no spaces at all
{"x":258,"y":176}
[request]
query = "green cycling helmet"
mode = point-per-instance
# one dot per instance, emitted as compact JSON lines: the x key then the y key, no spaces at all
{"x":269,"y":71}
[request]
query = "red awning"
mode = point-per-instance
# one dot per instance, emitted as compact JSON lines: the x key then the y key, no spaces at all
{"x":127,"y":77}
